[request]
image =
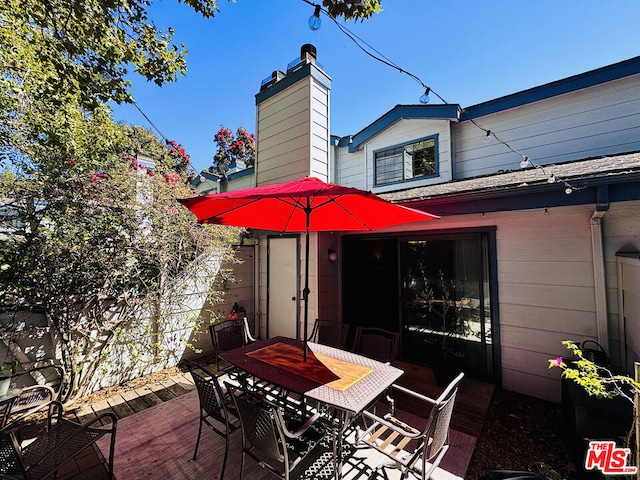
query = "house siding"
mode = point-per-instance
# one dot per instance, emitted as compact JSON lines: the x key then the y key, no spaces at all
{"x":602,"y":120}
{"x":545,"y":288}
{"x":353,"y":172}
{"x":283,"y":135}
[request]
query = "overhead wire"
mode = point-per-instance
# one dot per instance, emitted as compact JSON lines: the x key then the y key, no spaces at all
{"x":378,"y":56}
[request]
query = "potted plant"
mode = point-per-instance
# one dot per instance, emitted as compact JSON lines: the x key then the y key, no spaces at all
{"x":7,"y":369}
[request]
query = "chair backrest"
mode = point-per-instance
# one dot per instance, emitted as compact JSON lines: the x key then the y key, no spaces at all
{"x":376,"y":343}
{"x":329,"y":332}
{"x":210,"y":392}
{"x":227,"y":335}
{"x":5,"y":410}
{"x":30,"y":401}
{"x":437,"y":427}
{"x":49,"y":375}
{"x":258,"y":420}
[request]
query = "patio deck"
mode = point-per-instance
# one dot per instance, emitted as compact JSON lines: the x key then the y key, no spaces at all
{"x":159,"y":421}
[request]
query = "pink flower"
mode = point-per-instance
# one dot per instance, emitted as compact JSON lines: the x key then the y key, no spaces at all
{"x":71,"y":161}
{"x":558,"y":362}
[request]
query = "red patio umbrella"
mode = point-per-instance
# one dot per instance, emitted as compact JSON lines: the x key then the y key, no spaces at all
{"x":304,"y":205}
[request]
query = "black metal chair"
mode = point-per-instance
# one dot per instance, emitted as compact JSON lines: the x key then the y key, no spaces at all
{"x":50,"y":375}
{"x":412,"y":449}
{"x":217,"y":410}
{"x":279,"y":443}
{"x":62,"y":441}
{"x":376,"y":343}
{"x":329,"y":332}
{"x":30,"y":401}
{"x":229,"y":334}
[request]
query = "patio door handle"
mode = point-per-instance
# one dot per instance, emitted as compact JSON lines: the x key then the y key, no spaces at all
{"x":293,"y":299}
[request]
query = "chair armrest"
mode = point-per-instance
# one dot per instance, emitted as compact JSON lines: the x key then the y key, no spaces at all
{"x":247,"y":331}
{"x":303,"y":428}
{"x":394,"y":424}
{"x":411,"y":393}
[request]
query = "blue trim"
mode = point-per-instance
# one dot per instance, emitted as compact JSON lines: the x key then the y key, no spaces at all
{"x":399,"y":112}
{"x":543,"y":196}
{"x":559,"y":87}
{"x":292,"y":78}
{"x":408,"y":181}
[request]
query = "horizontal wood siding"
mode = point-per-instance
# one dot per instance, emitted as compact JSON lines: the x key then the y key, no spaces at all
{"x":601,"y":120}
{"x":536,"y":314}
{"x":545,"y":288}
{"x":405,"y":131}
{"x":350,"y":168}
{"x":283,"y":135}
{"x":319,"y":155}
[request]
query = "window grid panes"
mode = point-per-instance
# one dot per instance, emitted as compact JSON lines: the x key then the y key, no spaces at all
{"x":405,"y":162}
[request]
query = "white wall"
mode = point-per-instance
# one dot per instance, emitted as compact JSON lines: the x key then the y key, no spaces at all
{"x":600,"y":120}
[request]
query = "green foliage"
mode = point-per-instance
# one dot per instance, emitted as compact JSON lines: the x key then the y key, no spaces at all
{"x":597,"y":380}
{"x":361,"y":9}
{"x":90,"y":236}
{"x":10,"y":365}
{"x":96,"y":239}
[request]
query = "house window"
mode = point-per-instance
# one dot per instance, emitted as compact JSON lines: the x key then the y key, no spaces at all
{"x":404,"y":162}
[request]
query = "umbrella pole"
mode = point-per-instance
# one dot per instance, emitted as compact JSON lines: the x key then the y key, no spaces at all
{"x":305,"y":292}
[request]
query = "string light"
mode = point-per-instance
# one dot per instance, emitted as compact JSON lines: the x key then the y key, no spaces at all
{"x":314,"y":20}
{"x":424,"y":98}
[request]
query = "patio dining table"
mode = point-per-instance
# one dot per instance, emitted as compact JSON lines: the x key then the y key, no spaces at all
{"x":343,"y":383}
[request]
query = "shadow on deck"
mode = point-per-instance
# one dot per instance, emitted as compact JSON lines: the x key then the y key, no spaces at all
{"x":146,"y":449}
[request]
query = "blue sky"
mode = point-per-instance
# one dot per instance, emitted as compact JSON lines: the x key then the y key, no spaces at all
{"x":466,"y":51}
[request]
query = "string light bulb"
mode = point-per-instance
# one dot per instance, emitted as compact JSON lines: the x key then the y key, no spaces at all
{"x":524,"y":163}
{"x":551,"y":179}
{"x":314,"y":20}
{"x":424,"y":98}
{"x":569,"y":191}
{"x":487,"y":138}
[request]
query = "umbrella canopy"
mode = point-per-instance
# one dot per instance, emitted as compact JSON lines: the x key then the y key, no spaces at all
{"x":304,"y":205}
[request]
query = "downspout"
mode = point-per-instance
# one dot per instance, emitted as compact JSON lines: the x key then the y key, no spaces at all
{"x":602,"y":206}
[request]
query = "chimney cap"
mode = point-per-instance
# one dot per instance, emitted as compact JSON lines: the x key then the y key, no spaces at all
{"x":310,"y":49}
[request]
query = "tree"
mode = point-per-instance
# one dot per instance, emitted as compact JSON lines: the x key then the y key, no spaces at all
{"x":97,"y":241}
{"x":233,"y":148}
{"x":599,"y":381}
{"x":90,"y":46}
{"x":95,"y":237}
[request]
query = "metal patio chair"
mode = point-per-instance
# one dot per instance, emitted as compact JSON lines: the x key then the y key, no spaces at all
{"x":376,"y":343}
{"x":329,"y":332}
{"x":412,"y":449}
{"x":229,"y":334}
{"x":280,"y":443}
{"x":30,"y":401}
{"x":50,"y":375}
{"x":217,"y":410}
{"x":62,"y":442}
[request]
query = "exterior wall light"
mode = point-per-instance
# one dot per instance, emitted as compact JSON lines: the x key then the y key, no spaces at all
{"x":332,"y":255}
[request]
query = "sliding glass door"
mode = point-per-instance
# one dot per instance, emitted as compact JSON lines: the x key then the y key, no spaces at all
{"x":446,"y":302}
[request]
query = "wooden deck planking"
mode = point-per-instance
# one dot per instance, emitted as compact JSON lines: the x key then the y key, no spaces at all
{"x":471,"y":408}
